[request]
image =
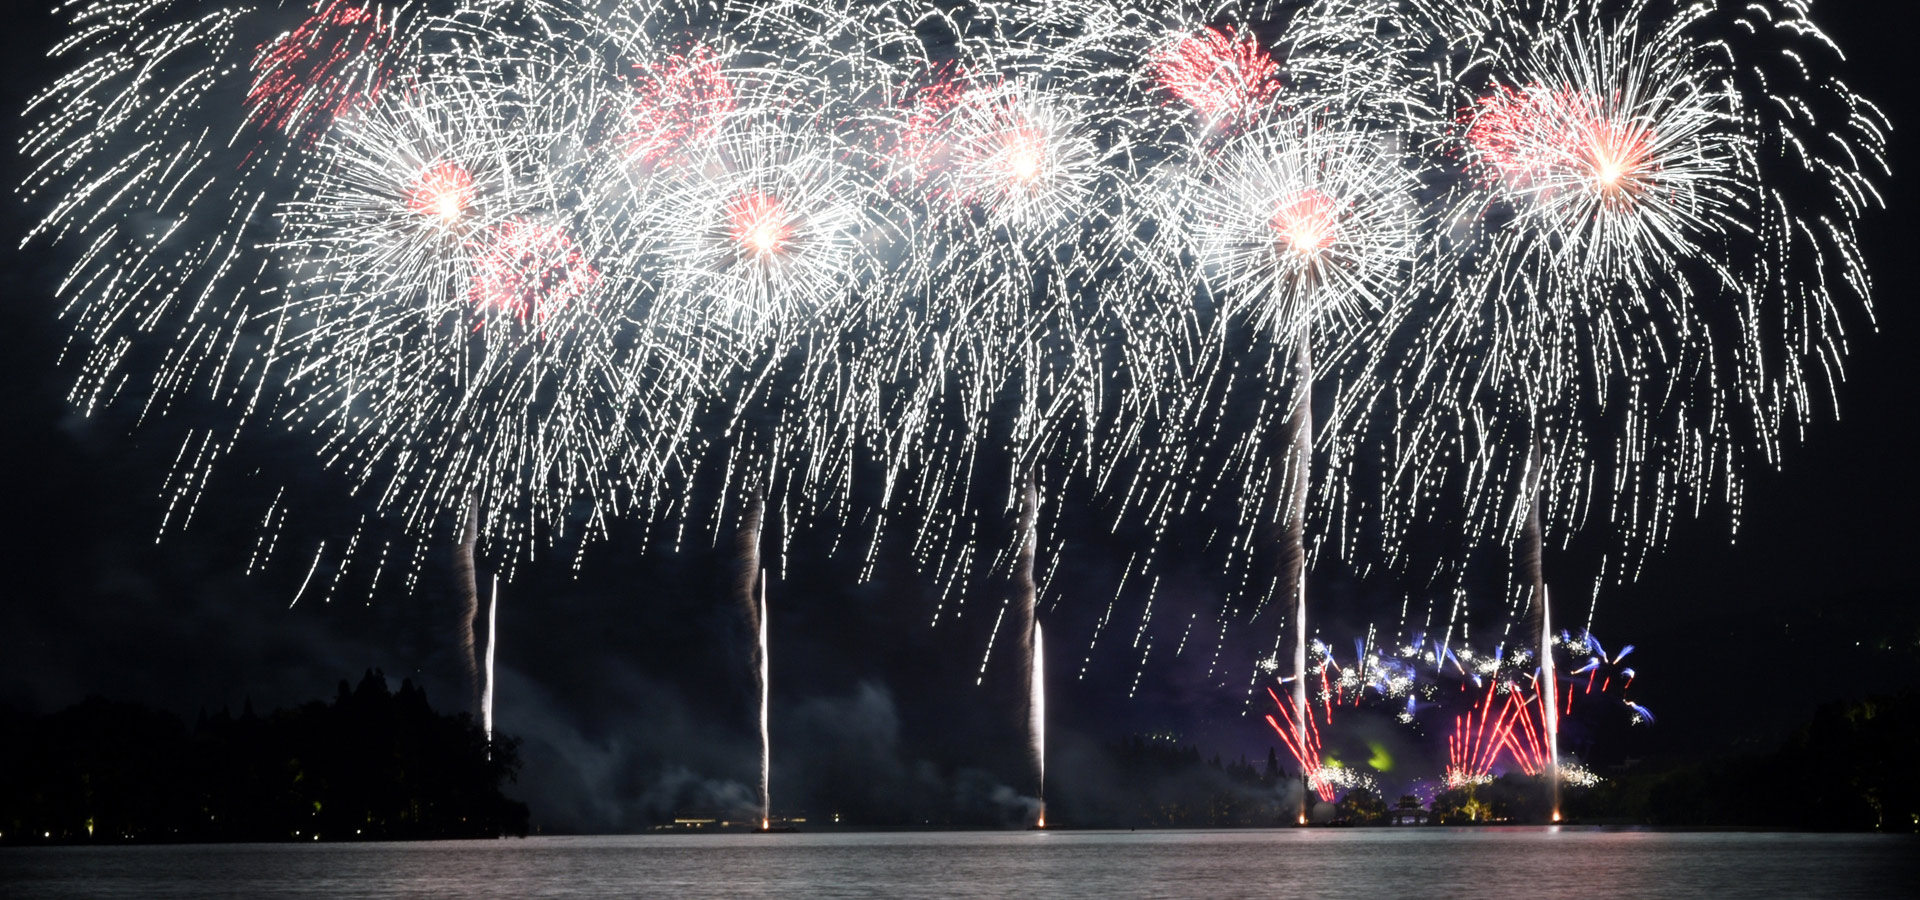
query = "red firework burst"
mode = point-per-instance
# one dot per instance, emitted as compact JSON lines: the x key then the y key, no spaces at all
{"x":1513,"y":728}
{"x":924,"y":139}
{"x":441,"y":193}
{"x":1226,"y":77}
{"x":676,"y":104}
{"x":1305,"y":747}
{"x":526,"y":269}
{"x":1503,"y":128}
{"x":758,"y":223}
{"x":308,"y":77}
{"x":1539,"y":138}
{"x":1306,"y":222}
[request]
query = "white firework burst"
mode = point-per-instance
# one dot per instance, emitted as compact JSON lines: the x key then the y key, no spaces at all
{"x":1023,"y":160}
{"x":452,"y":341}
{"x":1305,"y":222}
{"x":766,"y":228}
{"x":1619,"y":156}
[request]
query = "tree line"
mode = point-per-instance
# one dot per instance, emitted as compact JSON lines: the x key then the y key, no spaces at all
{"x":372,"y":765}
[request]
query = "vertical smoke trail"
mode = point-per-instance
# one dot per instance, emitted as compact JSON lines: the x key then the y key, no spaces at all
{"x":493,"y":632}
{"x":752,"y":590}
{"x":1294,"y":560}
{"x":469,"y":589}
{"x":1029,"y":599}
{"x":1530,"y":564}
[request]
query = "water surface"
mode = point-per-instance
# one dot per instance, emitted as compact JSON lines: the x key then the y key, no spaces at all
{"x":1531,"y":863}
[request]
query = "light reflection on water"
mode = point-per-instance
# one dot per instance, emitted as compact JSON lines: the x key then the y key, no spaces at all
{"x":1531,"y":863}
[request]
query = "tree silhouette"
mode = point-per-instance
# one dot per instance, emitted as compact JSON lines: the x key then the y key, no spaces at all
{"x":372,"y":765}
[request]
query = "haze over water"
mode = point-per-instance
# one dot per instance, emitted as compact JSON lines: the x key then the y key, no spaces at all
{"x":1494,"y":863}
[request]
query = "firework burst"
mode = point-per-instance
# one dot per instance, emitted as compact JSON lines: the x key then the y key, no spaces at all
{"x":1620,"y":266}
{"x":1305,"y":223}
{"x":1616,"y":159}
{"x":1017,"y":158}
{"x":764,"y":229}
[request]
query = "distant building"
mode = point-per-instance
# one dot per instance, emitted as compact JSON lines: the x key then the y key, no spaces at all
{"x":695,"y":823}
{"x":1408,"y":811}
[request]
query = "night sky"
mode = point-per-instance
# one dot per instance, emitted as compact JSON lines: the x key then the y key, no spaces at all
{"x":628,"y":683}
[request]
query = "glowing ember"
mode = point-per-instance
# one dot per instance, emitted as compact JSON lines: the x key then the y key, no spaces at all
{"x":1026,"y":154}
{"x":525,"y":268}
{"x":1305,"y":222}
{"x":309,"y":76}
{"x":676,"y":104}
{"x":442,"y":192}
{"x":1003,"y":151}
{"x":1223,"y":75}
{"x":758,"y":224}
{"x":1621,"y":157}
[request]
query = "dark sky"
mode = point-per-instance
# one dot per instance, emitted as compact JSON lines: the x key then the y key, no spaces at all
{"x":628,"y":682}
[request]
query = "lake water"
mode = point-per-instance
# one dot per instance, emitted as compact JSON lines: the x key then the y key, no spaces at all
{"x":1533,"y":863}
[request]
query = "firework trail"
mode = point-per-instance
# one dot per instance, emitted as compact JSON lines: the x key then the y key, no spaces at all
{"x":493,"y":635}
{"x":766,"y":743}
{"x":1496,"y":728}
{"x":1349,"y":244}
{"x":1028,"y":590}
{"x":449,"y":341}
{"x":1302,"y":739}
{"x":1286,"y":225}
{"x":1549,"y":691}
{"x":973,"y":364}
{"x":1302,"y":229}
{"x":1037,"y":718}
